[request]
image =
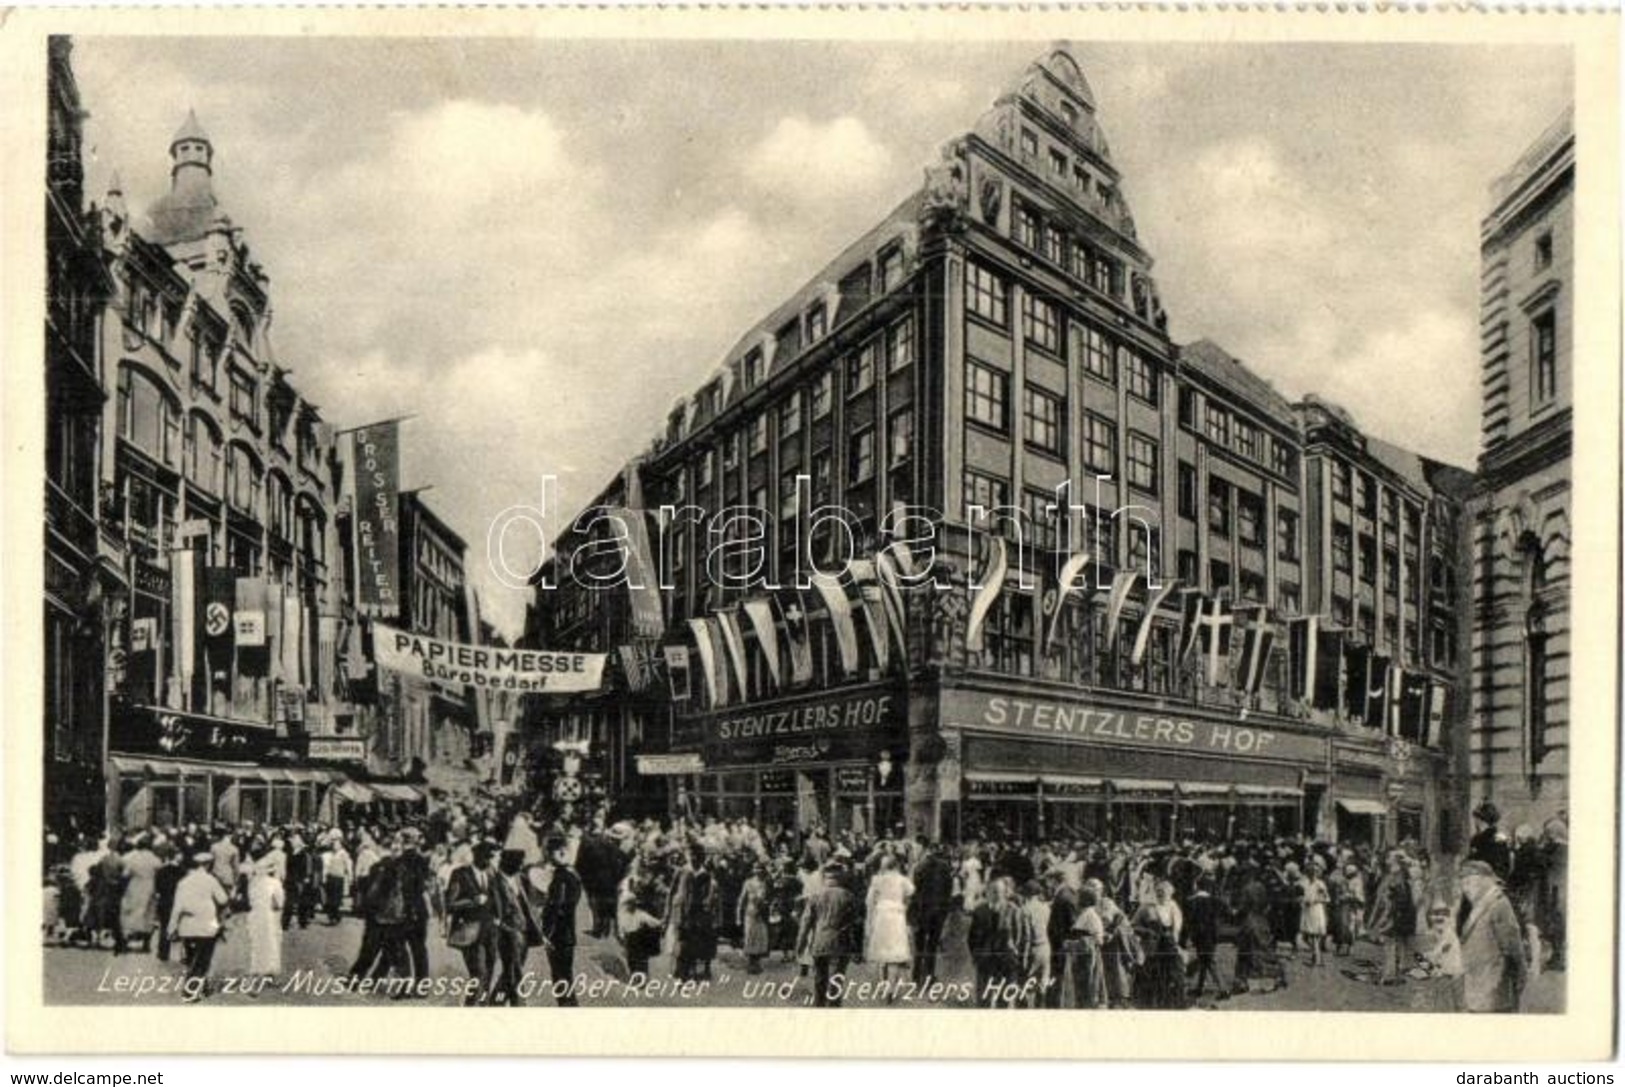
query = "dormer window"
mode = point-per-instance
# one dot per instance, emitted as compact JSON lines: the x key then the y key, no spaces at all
{"x":1069,"y":112}
{"x":1057,"y":163}
{"x":817,"y":323}
{"x":891,"y":268}
{"x":755,"y":368}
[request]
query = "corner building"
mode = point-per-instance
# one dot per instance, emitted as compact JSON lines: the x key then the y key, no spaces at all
{"x":1518,"y":752}
{"x":997,"y":335}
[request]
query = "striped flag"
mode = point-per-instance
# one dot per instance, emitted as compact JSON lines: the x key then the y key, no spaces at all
{"x":1142,"y":637}
{"x":1122,"y":585}
{"x":891,"y":598}
{"x":733,"y":640}
{"x":760,"y":613}
{"x":832,"y":593}
{"x":1190,"y":611}
{"x":992,"y":585}
{"x":1072,"y":576}
{"x":1257,"y":641}
{"x":716,"y":688}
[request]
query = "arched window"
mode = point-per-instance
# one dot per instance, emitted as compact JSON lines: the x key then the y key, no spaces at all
{"x":1534,"y":650}
{"x":204,"y":452}
{"x":148,"y":417}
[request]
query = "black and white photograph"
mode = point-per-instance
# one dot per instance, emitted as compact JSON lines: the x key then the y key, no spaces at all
{"x":1012,"y":523}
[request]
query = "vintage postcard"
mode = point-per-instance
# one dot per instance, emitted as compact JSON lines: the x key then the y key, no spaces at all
{"x":801,"y":532}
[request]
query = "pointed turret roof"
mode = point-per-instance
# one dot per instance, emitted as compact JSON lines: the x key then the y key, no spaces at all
{"x":190,"y":130}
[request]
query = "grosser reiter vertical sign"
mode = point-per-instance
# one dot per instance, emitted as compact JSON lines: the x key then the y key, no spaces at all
{"x":377,"y":504}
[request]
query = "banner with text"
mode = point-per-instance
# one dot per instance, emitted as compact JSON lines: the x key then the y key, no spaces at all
{"x":377,"y":511}
{"x":526,"y":671}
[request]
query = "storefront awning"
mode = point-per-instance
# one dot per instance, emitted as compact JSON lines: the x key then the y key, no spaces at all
{"x":1001,"y":776}
{"x":354,"y":792}
{"x":157,"y":767}
{"x":1358,"y":806}
{"x":1268,"y":792}
{"x":1141,"y":785}
{"x":1204,"y":788}
{"x":1072,"y":781}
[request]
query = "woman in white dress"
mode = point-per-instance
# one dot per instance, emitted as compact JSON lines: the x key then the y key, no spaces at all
{"x":971,"y":885}
{"x":888,"y":944}
{"x":265,"y":900}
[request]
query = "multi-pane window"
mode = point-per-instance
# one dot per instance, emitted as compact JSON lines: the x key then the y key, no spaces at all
{"x":1218,"y":423}
{"x":1142,"y":462}
{"x":1251,"y":587}
{"x":817,"y":323}
{"x":147,"y":417}
{"x":1105,"y":276}
{"x":755,"y":368}
{"x":891,"y":268}
{"x":1043,"y":429}
{"x":1057,"y":163}
{"x":1187,"y":407}
{"x":1055,"y":246}
{"x":758,"y":434}
{"x":790,"y":416}
{"x":1139,"y":374}
{"x":1041,"y":323}
{"x":1285,"y":458}
{"x":1043,"y":529}
{"x":1102,"y":532}
{"x":1342,"y":549}
{"x":860,"y":370}
{"x":984,"y":492}
{"x":1368,"y":559}
{"x":787,"y":494}
{"x":823,"y":394}
{"x":1097,"y":354}
{"x":730,"y":453}
{"x":1009,"y":640}
{"x":203,"y":453}
{"x":706,"y":469}
{"x":1187,"y":490}
{"x":1543,"y":357}
{"x":1099,"y":444}
{"x":1218,"y":507}
{"x":1246,"y":439}
{"x":1189,"y":566}
{"x":1390,"y":570}
{"x":1144,"y":549}
{"x":1218,"y":573}
{"x":1029,"y":228}
{"x":1341,"y":480}
{"x":1286,"y":535}
{"x":1250,"y":518}
{"x":244,"y":390}
{"x":985,"y":294}
{"x":987,"y":396}
{"x":900,"y":433}
{"x":823,"y":477}
{"x":900,"y":345}
{"x":860,"y":456}
{"x":1029,"y":143}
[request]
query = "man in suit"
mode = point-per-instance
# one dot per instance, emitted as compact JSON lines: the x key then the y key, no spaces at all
{"x":519,"y":928}
{"x":1490,"y":844}
{"x":1493,"y":957}
{"x":933,"y":900}
{"x":1202,"y":912}
{"x":559,"y":919}
{"x":601,"y":866}
{"x":473,"y":922}
{"x":828,"y":927}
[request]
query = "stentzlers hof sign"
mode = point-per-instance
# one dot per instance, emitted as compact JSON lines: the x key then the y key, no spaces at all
{"x":831,"y":725}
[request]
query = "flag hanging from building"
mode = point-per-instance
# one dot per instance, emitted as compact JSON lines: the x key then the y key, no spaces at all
{"x":642,"y":583}
{"x":1142,"y":637}
{"x":867,"y":592}
{"x":292,"y":639}
{"x":1375,"y":682}
{"x":377,"y":512}
{"x":1214,"y":634}
{"x":716,"y":684}
{"x":677,"y":672}
{"x":733,"y":640}
{"x":1073,"y":575}
{"x":760,"y":614}
{"x":1122,"y":585}
{"x":1257,"y":642}
{"x":1438,"y":695}
{"x":796,"y":635}
{"x":248,"y":617}
{"x":992,"y":585}
{"x":1328,"y":677}
{"x":833,"y":594}
{"x":186,"y":571}
{"x":891,"y":598}
{"x":1356,"y":674}
{"x":1413,"y":706}
{"x":1190,"y":612}
{"x":1316,"y":662}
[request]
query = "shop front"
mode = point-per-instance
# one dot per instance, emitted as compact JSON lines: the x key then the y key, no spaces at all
{"x":833,"y":758}
{"x":1384,"y":792}
{"x":1034,"y":766}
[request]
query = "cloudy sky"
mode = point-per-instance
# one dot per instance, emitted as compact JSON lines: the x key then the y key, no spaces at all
{"x":538,"y":246}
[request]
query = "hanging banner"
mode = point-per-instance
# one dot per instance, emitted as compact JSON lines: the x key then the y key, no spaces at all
{"x":527,"y":671}
{"x":377,"y":528}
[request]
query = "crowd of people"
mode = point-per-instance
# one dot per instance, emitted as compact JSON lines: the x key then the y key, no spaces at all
{"x":1060,"y":924}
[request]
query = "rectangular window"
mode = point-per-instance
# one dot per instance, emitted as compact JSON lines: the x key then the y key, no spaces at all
{"x":1057,"y":163}
{"x":1043,"y":422}
{"x":730,"y":453}
{"x":790,"y":416}
{"x":1102,"y":530}
{"x":1342,"y":549}
{"x":1368,"y":496}
{"x":1144,"y":549}
{"x":823,"y":477}
{"x":1097,"y":354}
{"x":1142,"y":462}
{"x":1250,"y":519}
{"x":1187,"y":408}
{"x":1341,"y":481}
{"x":243,"y":394}
{"x":1543,"y":357}
{"x":860,"y":370}
{"x":706,"y":469}
{"x":1543,"y":251}
{"x":900,"y":432}
{"x":1055,"y":246}
{"x":1099,"y":444}
{"x":1286,"y":533}
{"x":987,"y":396}
{"x":1290,"y":597}
{"x":1043,"y":529}
{"x":787,"y":495}
{"x":1187,"y":490}
{"x":1029,"y":228}
{"x":823,"y":395}
{"x":1246,"y":439}
{"x":1218,"y":573}
{"x":755,"y":368}
{"x":1189,"y":567}
{"x":1252,"y":587}
{"x":860,"y":456}
{"x":1081,"y":178}
{"x":985,"y":294}
{"x":900,"y":345}
{"x":817,"y":323}
{"x":891,"y":268}
{"x":1285,"y":458}
{"x":1029,"y":143}
{"x":1390,"y":570}
{"x":758,"y":434}
{"x":1218,"y":423}
{"x":1218,"y":507}
{"x":984,"y":491}
{"x":1139,"y":374}
{"x":1041,"y":323}
{"x":1368,"y":559}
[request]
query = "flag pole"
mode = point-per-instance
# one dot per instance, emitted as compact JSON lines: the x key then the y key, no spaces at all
{"x":380,"y":422}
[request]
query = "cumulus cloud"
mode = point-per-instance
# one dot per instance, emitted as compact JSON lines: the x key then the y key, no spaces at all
{"x":806,"y":162}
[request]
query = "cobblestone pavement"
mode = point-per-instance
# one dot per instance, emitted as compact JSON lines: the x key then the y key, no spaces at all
{"x":314,"y":956}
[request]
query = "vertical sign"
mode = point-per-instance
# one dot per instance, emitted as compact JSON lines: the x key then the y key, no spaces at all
{"x":377,"y":530}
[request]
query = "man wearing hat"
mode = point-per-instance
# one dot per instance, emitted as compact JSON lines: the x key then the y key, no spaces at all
{"x":559,"y":918}
{"x":1490,"y":845}
{"x":472,"y":914}
{"x":195,"y":921}
{"x":828,"y":932}
{"x":1492,"y":952}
